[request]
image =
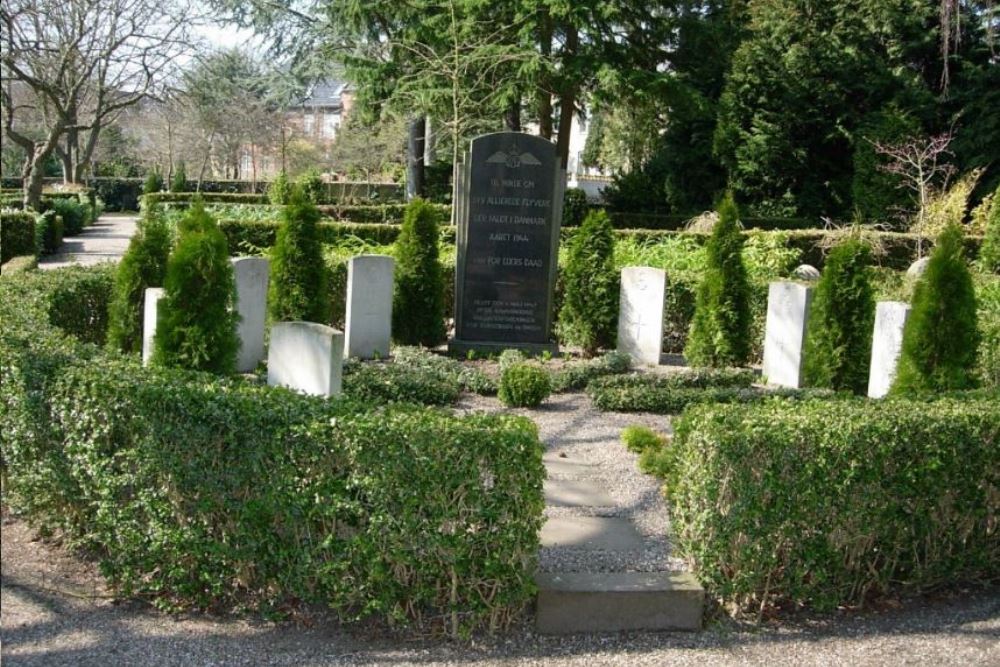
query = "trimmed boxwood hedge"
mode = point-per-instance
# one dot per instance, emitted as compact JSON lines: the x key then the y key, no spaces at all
{"x":17,"y":235}
{"x":827,"y":503}
{"x":184,"y":199}
{"x":204,"y":493}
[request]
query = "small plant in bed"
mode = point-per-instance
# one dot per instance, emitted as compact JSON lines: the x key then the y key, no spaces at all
{"x":524,"y":385}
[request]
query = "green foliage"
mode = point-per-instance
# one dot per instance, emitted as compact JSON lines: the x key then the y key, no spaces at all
{"x":377,"y":383}
{"x":207,"y":493}
{"x":656,"y":456}
{"x":196,"y":318}
{"x":18,"y":265}
{"x":940,"y":340}
{"x":829,"y":503}
{"x":75,"y":214}
{"x":577,"y":375}
{"x":299,"y":278}
{"x":280,"y":190}
{"x":988,"y":297}
{"x":48,"y":232}
{"x":311,"y":184}
{"x":839,"y":332}
{"x":947,"y":207}
{"x":17,"y":235}
{"x":153,"y":183}
{"x":989,"y":254}
{"x":640,"y":438}
{"x":876,"y":193}
{"x":418,"y":301}
{"x":178,"y":183}
{"x":720,"y":329}
{"x":184,"y":199}
{"x":575,"y":207}
{"x":589,"y":315}
{"x":143,"y":265}
{"x":524,"y":385}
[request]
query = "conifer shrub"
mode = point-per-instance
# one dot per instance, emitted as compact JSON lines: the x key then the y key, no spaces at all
{"x":153,"y":183}
{"x":876,"y":192}
{"x":589,"y":315}
{"x":524,"y":385}
{"x":989,"y":253}
{"x":418,"y":301}
{"x":839,"y":333}
{"x":940,"y":339}
{"x":299,"y":278}
{"x":179,"y":181}
{"x":75,"y":215}
{"x":311,"y":184}
{"x":143,"y":265}
{"x":720,"y":329}
{"x":575,"y":207}
{"x":280,"y":189}
{"x":196,"y":319}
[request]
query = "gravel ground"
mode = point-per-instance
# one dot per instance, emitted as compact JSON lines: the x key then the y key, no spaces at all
{"x":104,"y":241}
{"x":572,"y":429}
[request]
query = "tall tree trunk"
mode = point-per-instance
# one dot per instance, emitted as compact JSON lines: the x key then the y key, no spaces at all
{"x":544,"y":96}
{"x":430,"y":141}
{"x":512,"y":116}
{"x":567,"y":100}
{"x":416,"y":133}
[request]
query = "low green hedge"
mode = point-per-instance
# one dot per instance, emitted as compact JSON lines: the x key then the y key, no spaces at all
{"x":17,"y":235}
{"x":48,"y":232}
{"x":378,"y":213}
{"x":19,"y":265}
{"x":671,"y":393}
{"x":184,"y":199}
{"x":207,"y":493}
{"x":827,"y":503}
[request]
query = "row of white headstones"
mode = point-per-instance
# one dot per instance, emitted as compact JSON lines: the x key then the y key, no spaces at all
{"x":304,"y":356}
{"x":640,"y":328}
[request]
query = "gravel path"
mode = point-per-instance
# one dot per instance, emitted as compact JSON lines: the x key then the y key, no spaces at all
{"x":104,"y":241}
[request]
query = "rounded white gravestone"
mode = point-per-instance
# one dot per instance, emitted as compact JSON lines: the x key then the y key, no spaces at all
{"x":918,"y":267}
{"x":806,"y":272}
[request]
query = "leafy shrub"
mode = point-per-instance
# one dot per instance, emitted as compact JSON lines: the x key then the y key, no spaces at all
{"x":508,"y":358}
{"x":524,"y":385}
{"x":575,"y":207}
{"x":379,"y":383}
{"x":18,"y":265}
{"x":153,"y":183}
{"x":418,"y":302}
{"x":48,"y":232}
{"x":720,"y":329}
{"x":143,"y":265}
{"x":196,"y":318}
{"x":940,"y":339}
{"x":311,"y":184}
{"x":578,"y":374}
{"x":989,"y":254}
{"x":450,"y":370}
{"x":280,"y":190}
{"x":656,"y":456}
{"x":178,"y":183}
{"x":17,"y":235}
{"x":640,"y":438}
{"x":828,"y":503}
{"x":988,"y":298}
{"x":299,"y":279}
{"x":948,"y":207}
{"x":839,"y":332}
{"x":589,"y":315}
{"x":75,"y":215}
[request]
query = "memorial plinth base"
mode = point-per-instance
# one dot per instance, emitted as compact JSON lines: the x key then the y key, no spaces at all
{"x":457,"y":347}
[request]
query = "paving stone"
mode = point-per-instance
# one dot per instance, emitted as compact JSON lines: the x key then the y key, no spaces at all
{"x":591,"y":532}
{"x":575,"y":493}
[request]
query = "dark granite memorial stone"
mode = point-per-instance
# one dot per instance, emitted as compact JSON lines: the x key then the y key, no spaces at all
{"x":508,"y":207}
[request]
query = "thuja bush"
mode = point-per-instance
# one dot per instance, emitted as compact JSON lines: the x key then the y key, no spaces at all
{"x":178,"y":182}
{"x":524,"y":385}
{"x":940,"y":339}
{"x":589,"y":315}
{"x":280,"y":189}
{"x":418,"y":301}
{"x":839,"y":332}
{"x":989,"y":253}
{"x":311,"y":184}
{"x":196,"y":318}
{"x":75,"y":214}
{"x":829,"y":503}
{"x":144,"y":265}
{"x":206,"y":493}
{"x":299,"y":278}
{"x":720,"y":328}
{"x":153,"y":183}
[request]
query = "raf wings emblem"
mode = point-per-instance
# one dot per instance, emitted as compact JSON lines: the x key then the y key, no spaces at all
{"x":513,"y":158}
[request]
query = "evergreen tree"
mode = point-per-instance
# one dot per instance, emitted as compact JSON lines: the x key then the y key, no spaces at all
{"x":196,"y":318}
{"x":299,"y":280}
{"x":418,"y":302}
{"x":839,"y":339}
{"x":941,"y":338}
{"x":143,"y":265}
{"x":720,"y":329}
{"x":153,"y":182}
{"x":179,"y":181}
{"x":877,"y":195}
{"x":589,"y":314}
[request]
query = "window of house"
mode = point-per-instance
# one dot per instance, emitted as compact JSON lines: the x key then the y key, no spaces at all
{"x":308,"y":122}
{"x":331,"y":122}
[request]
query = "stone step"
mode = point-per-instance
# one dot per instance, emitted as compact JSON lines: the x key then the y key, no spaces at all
{"x":575,"y":493}
{"x":591,"y":532}
{"x":574,"y":602}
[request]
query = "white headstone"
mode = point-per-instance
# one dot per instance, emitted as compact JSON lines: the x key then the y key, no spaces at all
{"x":918,"y":267}
{"x":306,"y":356}
{"x":368,"y":325}
{"x":251,"y":275}
{"x":785,"y":332}
{"x":887,"y":341}
{"x":640,"y":313}
{"x":806,"y":272}
{"x":149,"y":310}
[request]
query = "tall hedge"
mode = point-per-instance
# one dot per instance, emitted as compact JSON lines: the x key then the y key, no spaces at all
{"x":418,"y":301}
{"x":196,"y":318}
{"x":720,"y":328}
{"x":839,"y":339}
{"x":940,"y":340}
{"x":298,"y":289}
{"x":589,"y":315}
{"x":17,"y":235}
{"x":143,"y":265}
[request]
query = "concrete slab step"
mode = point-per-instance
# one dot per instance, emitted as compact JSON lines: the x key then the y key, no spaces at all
{"x":591,"y":532}
{"x":573,"y":602}
{"x":575,"y":493}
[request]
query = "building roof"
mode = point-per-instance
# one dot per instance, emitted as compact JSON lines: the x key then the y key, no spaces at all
{"x":325,"y":94}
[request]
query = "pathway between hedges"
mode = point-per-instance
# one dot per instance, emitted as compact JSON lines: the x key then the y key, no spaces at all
{"x":104,"y":241}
